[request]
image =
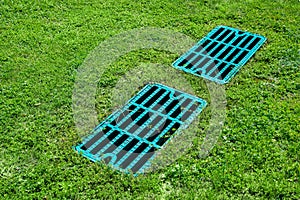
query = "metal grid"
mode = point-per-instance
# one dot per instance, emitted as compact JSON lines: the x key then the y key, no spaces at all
{"x":129,"y":138}
{"x":220,"y":54}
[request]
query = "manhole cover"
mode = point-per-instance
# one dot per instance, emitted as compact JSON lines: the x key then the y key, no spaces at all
{"x":220,"y":54}
{"x":129,"y":138}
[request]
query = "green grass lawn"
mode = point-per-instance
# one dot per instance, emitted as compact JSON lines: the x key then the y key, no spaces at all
{"x":43,"y":44}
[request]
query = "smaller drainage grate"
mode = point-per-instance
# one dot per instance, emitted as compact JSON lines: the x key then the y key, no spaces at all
{"x":220,"y":54}
{"x":129,"y":138}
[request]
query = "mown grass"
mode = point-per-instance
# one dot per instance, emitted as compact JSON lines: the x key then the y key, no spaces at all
{"x":43,"y":44}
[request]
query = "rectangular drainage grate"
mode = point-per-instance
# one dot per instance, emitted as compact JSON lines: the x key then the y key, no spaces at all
{"x":220,"y":54}
{"x":129,"y":138}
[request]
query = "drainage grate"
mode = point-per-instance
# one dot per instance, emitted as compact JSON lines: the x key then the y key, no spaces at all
{"x":220,"y":54}
{"x":129,"y":138}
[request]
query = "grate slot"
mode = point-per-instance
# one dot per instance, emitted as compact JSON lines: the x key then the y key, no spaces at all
{"x":165,"y":137}
{"x":229,"y":38}
{"x":143,"y":160}
{"x":220,"y":38}
{"x":255,"y":42}
{"x":226,"y":52}
{"x":210,"y":47}
{"x":202,"y":46}
{"x":220,"y":30}
{"x":104,"y":142}
{"x":226,"y":72}
{"x":147,"y":94}
{"x":217,"y":50}
{"x":246,"y":41}
{"x":95,"y":138}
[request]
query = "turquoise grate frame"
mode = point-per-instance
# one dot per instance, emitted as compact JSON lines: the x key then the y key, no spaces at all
{"x":129,"y":138}
{"x":220,"y":54}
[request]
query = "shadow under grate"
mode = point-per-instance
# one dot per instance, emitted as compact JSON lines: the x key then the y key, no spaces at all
{"x":220,"y":54}
{"x":129,"y":138}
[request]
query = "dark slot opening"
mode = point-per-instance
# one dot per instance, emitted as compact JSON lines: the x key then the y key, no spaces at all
{"x":152,"y":149}
{"x":137,"y":114}
{"x":119,"y":118}
{"x":234,"y":53}
{"x":226,"y":71}
{"x":186,"y":103}
{"x":176,"y":93}
{"x":130,"y":119}
{"x":227,"y":50}
{"x":154,"y":98}
{"x":176,"y":112}
{"x":223,"y":35}
{"x":221,"y":66}
{"x":171,"y":105}
{"x":231,"y":36}
{"x":104,"y":142}
{"x":256,"y":40}
{"x":248,"y":39}
{"x":190,"y":56}
{"x":142,"y":161}
{"x":143,"y":119}
{"x":217,"y":50}
{"x":130,"y":145}
{"x":211,"y":66}
{"x":203,"y":63}
{"x":157,"y":132}
{"x":199,"y":72}
{"x":113,"y":135}
{"x":148,"y":93}
{"x":237,"y":40}
{"x":134,"y":155}
{"x":188,"y":113}
{"x":83,"y":147}
{"x":126,"y":123}
{"x":197,"y":59}
{"x":189,"y":66}
{"x":210,"y":47}
{"x":182,"y":63}
{"x":141,"y":148}
{"x":113,"y":123}
{"x":164,"y":99}
{"x":121,"y":140}
{"x":217,"y":33}
{"x":150,"y":126}
{"x":95,"y":138}
{"x":218,"y":69}
{"x":240,"y":57}
{"x":202,"y":46}
{"x":107,"y":159}
{"x":168,"y":134}
{"x":131,"y":108}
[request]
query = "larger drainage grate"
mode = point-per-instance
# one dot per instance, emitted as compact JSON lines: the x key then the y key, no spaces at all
{"x":129,"y":138}
{"x":220,"y":54}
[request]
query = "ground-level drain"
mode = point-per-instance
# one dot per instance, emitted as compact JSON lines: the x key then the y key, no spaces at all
{"x":220,"y":54}
{"x":129,"y":138}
